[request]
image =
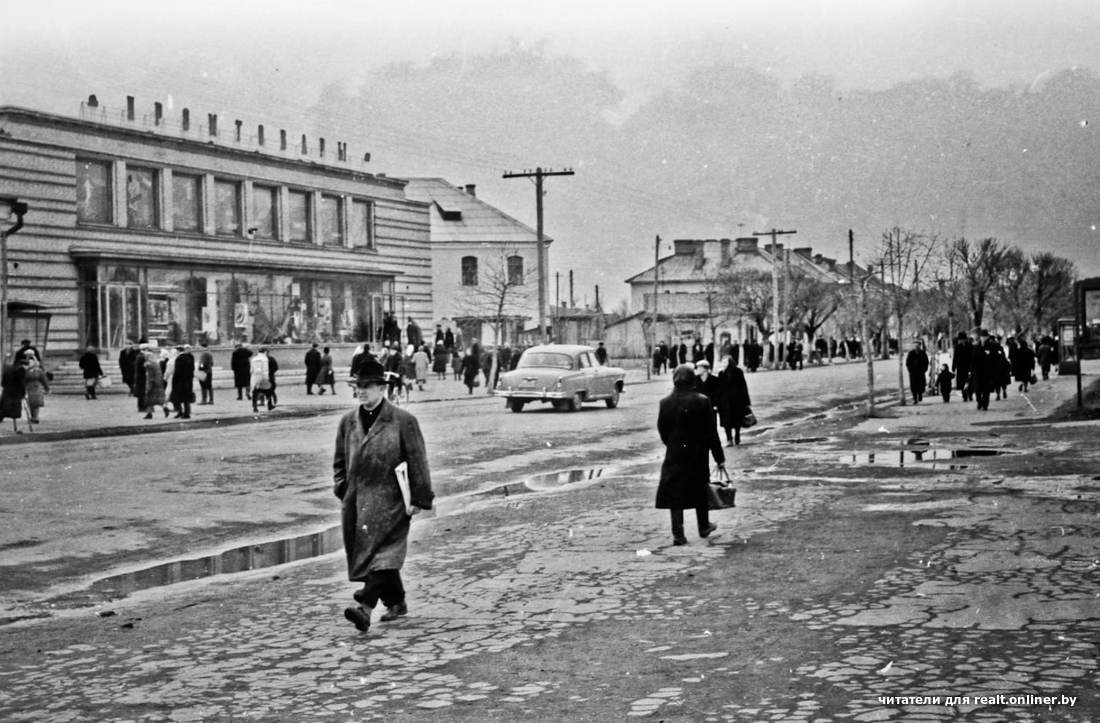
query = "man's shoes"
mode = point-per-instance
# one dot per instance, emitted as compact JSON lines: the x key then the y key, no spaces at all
{"x":709,"y":529}
{"x":358,"y":617}
{"x":185,"y":416}
{"x":149,"y":415}
{"x":394,"y":611}
{"x":166,"y":412}
{"x":311,"y":393}
{"x":679,"y":541}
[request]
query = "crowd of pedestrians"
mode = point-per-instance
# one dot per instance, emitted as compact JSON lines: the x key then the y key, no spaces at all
{"x":983,"y":366}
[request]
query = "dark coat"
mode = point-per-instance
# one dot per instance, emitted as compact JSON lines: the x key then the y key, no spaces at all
{"x":1023,"y":364}
{"x":313,"y":367}
{"x":916,"y":361}
{"x":238,"y":362}
{"x":154,"y":382}
{"x":984,"y":368}
{"x":709,"y":388}
{"x":375,"y":523}
{"x":183,"y":379}
{"x":686,"y":425}
{"x":89,"y":363}
{"x":12,"y":389}
{"x":126,"y":364}
{"x":961,"y":361}
{"x":733,"y":397}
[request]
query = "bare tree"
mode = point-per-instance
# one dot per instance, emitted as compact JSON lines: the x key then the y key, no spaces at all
{"x":813,"y":302}
{"x":979,"y":268}
{"x":905,"y":258}
{"x":1052,"y":290}
{"x":749,"y":293}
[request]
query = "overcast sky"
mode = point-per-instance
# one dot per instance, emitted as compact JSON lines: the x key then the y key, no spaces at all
{"x":54,"y":52}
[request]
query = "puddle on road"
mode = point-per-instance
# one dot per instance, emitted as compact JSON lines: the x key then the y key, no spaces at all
{"x":936,"y":458}
{"x":238,"y":559}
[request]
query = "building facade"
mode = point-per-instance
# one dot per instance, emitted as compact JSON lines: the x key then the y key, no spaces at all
{"x":484,"y":264}
{"x":180,"y":232}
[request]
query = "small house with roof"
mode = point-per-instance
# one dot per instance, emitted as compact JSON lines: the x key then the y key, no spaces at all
{"x":484,"y":264}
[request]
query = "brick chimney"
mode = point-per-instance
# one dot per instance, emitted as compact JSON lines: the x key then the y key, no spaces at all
{"x":746,"y":245}
{"x":471,"y":189}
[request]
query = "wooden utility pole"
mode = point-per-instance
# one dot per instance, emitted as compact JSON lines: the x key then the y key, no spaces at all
{"x":653,"y":327}
{"x":775,"y":287}
{"x":538,"y":174}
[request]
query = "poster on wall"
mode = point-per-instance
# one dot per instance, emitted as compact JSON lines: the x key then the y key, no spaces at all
{"x":242,"y":317}
{"x":1092,"y":307}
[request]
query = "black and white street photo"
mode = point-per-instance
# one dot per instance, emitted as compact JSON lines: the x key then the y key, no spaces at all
{"x":571,"y":361}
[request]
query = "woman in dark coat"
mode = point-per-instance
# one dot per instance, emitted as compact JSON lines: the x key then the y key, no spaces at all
{"x":470,"y":369}
{"x":89,"y":365}
{"x":12,"y":389}
{"x":733,"y":401}
{"x":373,"y":440}
{"x":1023,"y":365}
{"x":686,"y":425}
{"x":916,"y":362}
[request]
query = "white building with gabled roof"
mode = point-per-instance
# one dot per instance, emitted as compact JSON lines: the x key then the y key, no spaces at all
{"x":484,"y":264}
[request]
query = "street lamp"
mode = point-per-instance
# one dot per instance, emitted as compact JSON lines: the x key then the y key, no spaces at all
{"x":8,"y":207}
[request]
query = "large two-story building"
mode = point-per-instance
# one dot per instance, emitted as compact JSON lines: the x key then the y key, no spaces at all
{"x":180,"y":231}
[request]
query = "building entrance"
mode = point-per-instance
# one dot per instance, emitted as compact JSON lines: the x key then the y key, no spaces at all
{"x":121,"y":314}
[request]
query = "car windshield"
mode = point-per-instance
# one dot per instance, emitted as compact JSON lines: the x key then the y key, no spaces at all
{"x":545,"y":359}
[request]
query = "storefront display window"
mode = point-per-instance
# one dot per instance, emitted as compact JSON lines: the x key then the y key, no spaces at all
{"x":189,"y":306}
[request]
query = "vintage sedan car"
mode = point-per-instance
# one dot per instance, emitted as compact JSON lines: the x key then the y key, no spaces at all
{"x":566,"y":375}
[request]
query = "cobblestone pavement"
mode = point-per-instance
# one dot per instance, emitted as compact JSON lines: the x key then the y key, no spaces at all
{"x":570,"y":604}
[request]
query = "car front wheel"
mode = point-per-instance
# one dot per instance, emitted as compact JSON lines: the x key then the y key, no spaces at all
{"x":576,"y":402}
{"x":613,"y":400}
{"x":515,"y":405}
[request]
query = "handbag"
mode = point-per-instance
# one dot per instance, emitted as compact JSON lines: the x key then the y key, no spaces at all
{"x":748,"y":420}
{"x":720,"y":493}
{"x":202,"y":375}
{"x":103,"y":382}
{"x":1033,"y":380}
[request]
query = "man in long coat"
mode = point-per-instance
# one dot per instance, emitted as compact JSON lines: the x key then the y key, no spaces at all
{"x":183,"y":382}
{"x":371,"y":442}
{"x":313,"y":369}
{"x":239,"y":363}
{"x":686,"y":425}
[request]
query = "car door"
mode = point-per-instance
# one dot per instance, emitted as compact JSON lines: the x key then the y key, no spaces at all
{"x":592,"y":376}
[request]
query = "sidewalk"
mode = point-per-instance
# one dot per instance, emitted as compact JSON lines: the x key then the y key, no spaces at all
{"x":71,"y":416}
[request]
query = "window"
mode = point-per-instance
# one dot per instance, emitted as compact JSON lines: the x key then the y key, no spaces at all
{"x":141,"y":198}
{"x":361,"y":224}
{"x":299,"y":216}
{"x":469,"y":271}
{"x":331,"y":232}
{"x":93,"y":191}
{"x":264,"y":204}
{"x":227,"y":208}
{"x":186,"y":202}
{"x":515,"y":270}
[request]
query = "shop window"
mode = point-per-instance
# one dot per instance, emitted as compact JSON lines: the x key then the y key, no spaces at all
{"x":186,"y":202}
{"x":515,"y":270}
{"x":361,"y":224}
{"x":469,"y":271}
{"x":264,"y":205}
{"x":331,"y":232}
{"x":298,"y":213}
{"x":93,"y":191}
{"x":227,"y":208}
